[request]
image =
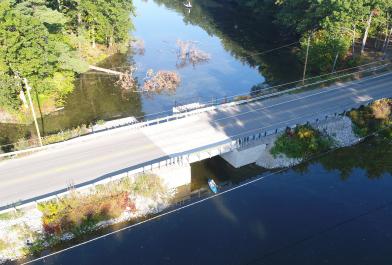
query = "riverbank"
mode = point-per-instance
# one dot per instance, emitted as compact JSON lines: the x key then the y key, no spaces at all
{"x":50,"y":223}
{"x":338,"y":128}
{"x":340,"y":131}
{"x":46,"y":104}
{"x":29,"y":232}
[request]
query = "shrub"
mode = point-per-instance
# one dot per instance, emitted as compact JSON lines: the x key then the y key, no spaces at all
{"x":382,"y":109}
{"x":303,"y":142}
{"x":149,"y":186}
{"x":373,"y":118}
{"x":77,"y":211}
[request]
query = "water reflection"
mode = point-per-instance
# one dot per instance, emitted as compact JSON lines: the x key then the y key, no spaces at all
{"x":229,"y":33}
{"x":373,"y":157}
{"x":246,"y":33}
{"x":96,"y":97}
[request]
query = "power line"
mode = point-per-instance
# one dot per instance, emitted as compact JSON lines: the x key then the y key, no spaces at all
{"x":243,"y":56}
{"x":240,"y":186}
{"x":234,"y":115}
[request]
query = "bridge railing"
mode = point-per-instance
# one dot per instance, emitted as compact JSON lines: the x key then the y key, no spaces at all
{"x":242,"y":140}
{"x":299,"y":85}
{"x":377,"y":68}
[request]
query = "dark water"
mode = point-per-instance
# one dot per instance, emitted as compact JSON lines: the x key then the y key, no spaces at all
{"x":233,"y":35}
{"x":322,"y":212}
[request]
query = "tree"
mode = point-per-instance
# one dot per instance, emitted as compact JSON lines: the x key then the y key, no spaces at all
{"x":39,"y":40}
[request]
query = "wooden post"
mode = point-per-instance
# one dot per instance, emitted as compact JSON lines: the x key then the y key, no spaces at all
{"x":354,"y":33}
{"x":387,"y":42}
{"x":28,"y":88}
{"x":334,"y":63}
{"x":306,"y":61}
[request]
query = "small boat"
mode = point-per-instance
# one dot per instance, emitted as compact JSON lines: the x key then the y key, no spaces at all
{"x":188,"y":5}
{"x":213,"y":186}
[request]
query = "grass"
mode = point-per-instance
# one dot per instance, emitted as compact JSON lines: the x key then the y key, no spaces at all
{"x":10,"y":215}
{"x":3,"y":245}
{"x":23,"y":144}
{"x":302,"y":142}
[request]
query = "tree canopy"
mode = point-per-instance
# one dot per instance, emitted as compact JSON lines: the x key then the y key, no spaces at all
{"x":42,"y":40}
{"x":335,"y":25}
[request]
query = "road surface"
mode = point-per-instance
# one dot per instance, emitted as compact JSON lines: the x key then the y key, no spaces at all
{"x":97,"y":157}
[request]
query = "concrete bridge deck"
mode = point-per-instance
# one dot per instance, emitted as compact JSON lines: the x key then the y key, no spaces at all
{"x":55,"y":169}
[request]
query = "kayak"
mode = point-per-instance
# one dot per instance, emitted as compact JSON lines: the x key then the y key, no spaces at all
{"x":213,"y":186}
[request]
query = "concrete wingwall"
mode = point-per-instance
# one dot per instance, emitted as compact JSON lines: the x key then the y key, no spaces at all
{"x":175,"y":176}
{"x":240,"y":158}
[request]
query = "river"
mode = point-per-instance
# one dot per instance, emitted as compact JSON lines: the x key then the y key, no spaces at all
{"x":235,"y":37}
{"x":335,"y":209}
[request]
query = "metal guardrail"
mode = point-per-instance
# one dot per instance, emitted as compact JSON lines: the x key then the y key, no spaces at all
{"x":234,"y":142}
{"x":207,"y":107}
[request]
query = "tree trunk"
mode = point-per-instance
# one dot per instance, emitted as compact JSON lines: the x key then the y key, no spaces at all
{"x":387,"y":40}
{"x":79,"y":31}
{"x":364,"y":40}
{"x":108,"y":71}
{"x":93,"y":38}
{"x":354,"y":35}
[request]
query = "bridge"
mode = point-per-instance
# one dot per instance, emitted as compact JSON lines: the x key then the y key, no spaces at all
{"x":216,"y":131}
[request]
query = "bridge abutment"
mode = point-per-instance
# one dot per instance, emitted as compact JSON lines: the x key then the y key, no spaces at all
{"x":175,"y":175}
{"x":240,"y":158}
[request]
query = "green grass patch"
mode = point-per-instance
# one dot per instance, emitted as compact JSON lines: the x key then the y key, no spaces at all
{"x":302,"y":142}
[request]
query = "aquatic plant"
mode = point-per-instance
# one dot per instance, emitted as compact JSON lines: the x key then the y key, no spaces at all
{"x":189,"y":53}
{"x":161,"y":81}
{"x":127,"y":80}
{"x":138,"y":46}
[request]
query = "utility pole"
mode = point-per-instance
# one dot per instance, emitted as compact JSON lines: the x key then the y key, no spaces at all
{"x":306,"y":60}
{"x":28,"y":88}
{"x":334,"y":63}
{"x":354,"y":40}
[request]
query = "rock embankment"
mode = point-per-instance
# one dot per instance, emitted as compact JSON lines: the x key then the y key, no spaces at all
{"x":340,"y":129}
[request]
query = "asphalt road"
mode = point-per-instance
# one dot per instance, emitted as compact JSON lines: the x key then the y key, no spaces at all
{"x":95,"y":157}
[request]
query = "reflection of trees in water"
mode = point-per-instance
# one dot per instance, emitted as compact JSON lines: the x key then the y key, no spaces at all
{"x":244,"y":30}
{"x":97,"y":97}
{"x":11,"y":133}
{"x":373,"y":156}
{"x":189,"y":54}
